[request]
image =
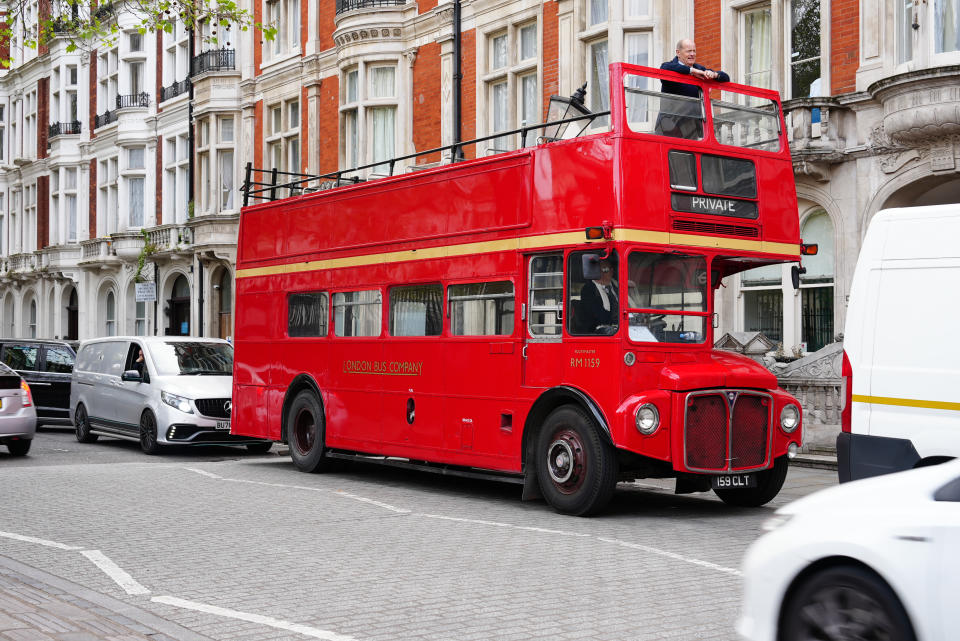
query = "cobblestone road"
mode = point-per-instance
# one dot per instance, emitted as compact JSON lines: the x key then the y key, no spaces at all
{"x":238,"y":547}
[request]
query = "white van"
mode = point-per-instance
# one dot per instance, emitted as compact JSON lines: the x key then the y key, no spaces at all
{"x":902,"y":345}
{"x":156,"y":390}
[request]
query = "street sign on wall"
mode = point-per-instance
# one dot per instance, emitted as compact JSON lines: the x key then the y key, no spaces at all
{"x":146,"y":292}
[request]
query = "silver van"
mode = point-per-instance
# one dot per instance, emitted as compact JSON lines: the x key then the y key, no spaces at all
{"x":157,"y":390}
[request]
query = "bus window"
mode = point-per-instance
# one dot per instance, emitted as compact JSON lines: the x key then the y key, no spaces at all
{"x":357,"y":313}
{"x":746,"y":121}
{"x":481,"y":309}
{"x":683,"y":170}
{"x":659,"y":283}
{"x":594,"y":294}
{"x":728,"y":176}
{"x":546,"y":296}
{"x":416,"y":310}
{"x":307,"y":314}
{"x":675,"y":109}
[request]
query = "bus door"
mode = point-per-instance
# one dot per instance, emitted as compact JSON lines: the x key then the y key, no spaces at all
{"x":543,"y":349}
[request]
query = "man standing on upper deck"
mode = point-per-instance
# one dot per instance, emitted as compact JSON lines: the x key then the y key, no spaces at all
{"x":683,"y":119}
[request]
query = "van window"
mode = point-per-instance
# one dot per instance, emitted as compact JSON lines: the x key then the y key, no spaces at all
{"x":58,"y":359}
{"x":192,"y":358}
{"x":114,"y":355}
{"x":21,"y":357}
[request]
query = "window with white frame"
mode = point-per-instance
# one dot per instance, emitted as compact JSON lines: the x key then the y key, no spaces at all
{"x":3,"y":133}
{"x":762,"y":294}
{"x":140,"y":323}
{"x":63,"y":205}
{"x":134,"y":62}
{"x":25,"y":31}
{"x":225,"y":165}
{"x":757,"y":47}
{"x":134,"y":177}
{"x":176,"y":55}
{"x":904,"y":27}
{"x":283,"y":135}
{"x":110,"y":318}
{"x":816,"y":284}
{"x":16,"y":219}
{"x":512,"y":84}
{"x":108,"y":87}
{"x":946,"y":25}
{"x":368,"y":115}
{"x":63,"y":88}
{"x":16,"y":145}
{"x":30,"y":124}
{"x":598,"y":11}
{"x":216,"y":159}
{"x":108,"y":197}
{"x":285,"y":16}
{"x":176,"y":165}
{"x":29,"y":242}
{"x":805,"y":48}
{"x":3,"y":226}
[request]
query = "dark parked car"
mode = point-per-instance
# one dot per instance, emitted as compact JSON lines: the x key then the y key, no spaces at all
{"x":46,"y":365}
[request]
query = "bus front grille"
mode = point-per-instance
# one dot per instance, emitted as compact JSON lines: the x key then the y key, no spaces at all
{"x":726,"y":430}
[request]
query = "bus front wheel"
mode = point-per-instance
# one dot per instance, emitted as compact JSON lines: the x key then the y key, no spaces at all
{"x":305,"y":432}
{"x":576,"y":468}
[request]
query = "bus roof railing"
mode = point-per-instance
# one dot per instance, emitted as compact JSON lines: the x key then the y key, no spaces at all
{"x":301,"y":183}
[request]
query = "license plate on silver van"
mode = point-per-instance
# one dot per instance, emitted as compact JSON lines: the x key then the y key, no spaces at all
{"x":223,"y":425}
{"x":733,"y":481}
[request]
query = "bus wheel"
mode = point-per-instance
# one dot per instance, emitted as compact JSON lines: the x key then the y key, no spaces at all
{"x":305,"y":431}
{"x":769,"y":483}
{"x":576,"y":468}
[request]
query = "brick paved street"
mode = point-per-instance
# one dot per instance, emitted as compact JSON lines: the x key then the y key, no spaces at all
{"x":233,"y":546}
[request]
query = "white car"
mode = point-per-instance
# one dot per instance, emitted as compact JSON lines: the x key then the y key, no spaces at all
{"x":873,"y":559}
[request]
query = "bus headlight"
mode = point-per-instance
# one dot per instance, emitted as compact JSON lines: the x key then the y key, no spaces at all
{"x":789,"y":418}
{"x":648,"y":419}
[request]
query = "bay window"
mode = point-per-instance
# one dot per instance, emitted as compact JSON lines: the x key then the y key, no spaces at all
{"x":368,"y":115}
{"x":512,"y":83}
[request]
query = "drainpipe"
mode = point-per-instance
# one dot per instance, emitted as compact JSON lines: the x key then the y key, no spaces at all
{"x":457,"y":79}
{"x":199,"y":297}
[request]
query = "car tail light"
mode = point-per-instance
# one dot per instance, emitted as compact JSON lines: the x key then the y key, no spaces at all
{"x":846,"y":372}
{"x":25,"y":396}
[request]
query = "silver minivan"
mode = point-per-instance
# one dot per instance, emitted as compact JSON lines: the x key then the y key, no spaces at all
{"x":157,"y":390}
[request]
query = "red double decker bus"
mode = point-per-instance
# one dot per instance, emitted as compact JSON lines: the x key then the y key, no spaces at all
{"x":543,"y":315}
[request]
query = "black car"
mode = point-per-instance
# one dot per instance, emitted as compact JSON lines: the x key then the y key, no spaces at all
{"x":46,"y":365}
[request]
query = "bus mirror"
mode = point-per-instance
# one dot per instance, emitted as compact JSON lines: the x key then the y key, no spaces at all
{"x":795,"y":272}
{"x":591,"y":266}
{"x":716,"y":320}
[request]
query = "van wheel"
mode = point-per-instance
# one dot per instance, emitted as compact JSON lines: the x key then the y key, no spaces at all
{"x":769,"y":483}
{"x":81,"y":424}
{"x":19,"y":447}
{"x":305,"y":433}
{"x":259,"y":448}
{"x":148,"y":433}
{"x":576,"y":468}
{"x":845,"y":601}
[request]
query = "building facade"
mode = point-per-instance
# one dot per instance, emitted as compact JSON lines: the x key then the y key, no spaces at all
{"x":121,"y":165}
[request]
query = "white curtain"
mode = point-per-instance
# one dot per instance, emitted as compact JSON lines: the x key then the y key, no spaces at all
{"x":71,"y":219}
{"x":758,"y":54}
{"x":498,"y":52}
{"x":947,"y":25}
{"x":351,"y":86}
{"x":382,"y":120}
{"x":528,"y":42}
{"x":226,"y":180}
{"x":600,"y":82}
{"x":351,"y":151}
{"x":529,"y":115}
{"x":598,"y":11}
{"x":501,"y":117}
{"x":638,"y":8}
{"x":904,"y":31}
{"x":382,"y":82}
{"x":135,"y":189}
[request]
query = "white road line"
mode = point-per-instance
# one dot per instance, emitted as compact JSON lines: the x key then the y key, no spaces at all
{"x":252,"y":618}
{"x":672,"y":555}
{"x":505,"y":525}
{"x":32,"y":539}
{"x":115,"y":572}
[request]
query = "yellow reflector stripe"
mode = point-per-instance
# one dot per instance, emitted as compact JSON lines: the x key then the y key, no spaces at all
{"x":906,"y":402}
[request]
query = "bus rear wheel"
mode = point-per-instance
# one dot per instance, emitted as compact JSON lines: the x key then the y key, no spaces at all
{"x":305,"y":432}
{"x":769,"y":483}
{"x":576,"y":468}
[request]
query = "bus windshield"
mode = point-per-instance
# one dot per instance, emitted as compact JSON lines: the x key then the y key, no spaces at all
{"x":666,"y":297}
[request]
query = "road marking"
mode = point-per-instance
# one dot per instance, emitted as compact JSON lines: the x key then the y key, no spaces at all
{"x":44,"y":542}
{"x":505,"y":525}
{"x":115,"y":572}
{"x":252,"y":618}
{"x":672,"y":555}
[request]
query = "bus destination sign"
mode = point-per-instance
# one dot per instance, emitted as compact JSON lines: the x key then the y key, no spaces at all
{"x":714,"y":206}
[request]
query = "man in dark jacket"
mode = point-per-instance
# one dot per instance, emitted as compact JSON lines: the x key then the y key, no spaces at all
{"x":683,"y":118}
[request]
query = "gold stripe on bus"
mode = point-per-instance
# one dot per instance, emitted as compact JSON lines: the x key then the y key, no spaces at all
{"x":906,"y":402}
{"x":515,"y":244}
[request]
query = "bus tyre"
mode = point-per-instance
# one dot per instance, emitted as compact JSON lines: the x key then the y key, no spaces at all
{"x":305,"y":433}
{"x":769,"y":483}
{"x":576,"y":468}
{"x":82,"y":426}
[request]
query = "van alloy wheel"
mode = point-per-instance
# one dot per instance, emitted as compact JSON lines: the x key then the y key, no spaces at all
{"x":81,"y":424}
{"x":148,"y":433}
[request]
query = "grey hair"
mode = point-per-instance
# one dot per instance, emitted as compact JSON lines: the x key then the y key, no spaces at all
{"x":681,"y":41}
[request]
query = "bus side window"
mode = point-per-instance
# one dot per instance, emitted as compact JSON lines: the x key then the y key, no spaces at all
{"x":481,"y":309}
{"x":357,"y":313}
{"x":416,"y":310}
{"x":307,"y":314}
{"x":546,"y":296}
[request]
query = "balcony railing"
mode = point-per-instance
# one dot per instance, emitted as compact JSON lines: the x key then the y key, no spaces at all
{"x":62,"y":128}
{"x":214,"y":60}
{"x":350,"y":5}
{"x":174,"y":90}
{"x":104,"y":119}
{"x":141,"y":99}
{"x":170,"y":237}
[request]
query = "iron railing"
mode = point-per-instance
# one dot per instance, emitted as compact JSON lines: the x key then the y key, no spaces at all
{"x":349,"y":5}
{"x":213,"y":60}
{"x":296,"y":183}
{"x":61,"y":128}
{"x":101,"y":120}
{"x":174,"y":90}
{"x":141,"y":99}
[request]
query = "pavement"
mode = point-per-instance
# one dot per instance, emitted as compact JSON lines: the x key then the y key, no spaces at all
{"x":37,"y":606}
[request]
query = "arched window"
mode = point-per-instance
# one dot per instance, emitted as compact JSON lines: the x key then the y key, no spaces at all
{"x":111,"y":316}
{"x":32,"y":324}
{"x":816,"y":285}
{"x":9,"y":321}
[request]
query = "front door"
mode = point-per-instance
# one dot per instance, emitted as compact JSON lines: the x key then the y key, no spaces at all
{"x":542,"y":350}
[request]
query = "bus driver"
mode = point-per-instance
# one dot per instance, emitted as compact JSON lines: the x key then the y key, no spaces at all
{"x":600,"y":303}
